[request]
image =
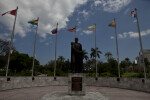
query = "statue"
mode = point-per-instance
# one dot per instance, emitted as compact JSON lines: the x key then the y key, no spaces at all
{"x":76,"y":57}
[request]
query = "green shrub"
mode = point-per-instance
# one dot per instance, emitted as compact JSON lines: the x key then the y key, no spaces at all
{"x":136,"y":75}
{"x":148,"y":75}
{"x":2,"y":73}
{"x":107,"y":74}
{"x":91,"y":74}
{"x":48,"y":72}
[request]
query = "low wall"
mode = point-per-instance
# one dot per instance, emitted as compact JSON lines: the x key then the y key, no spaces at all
{"x":126,"y":83}
{"x":22,"y":82}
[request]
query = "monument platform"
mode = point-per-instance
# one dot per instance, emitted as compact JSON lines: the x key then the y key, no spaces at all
{"x":39,"y":93}
{"x":65,"y":96}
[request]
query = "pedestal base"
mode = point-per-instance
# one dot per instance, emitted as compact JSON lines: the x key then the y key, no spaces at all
{"x":76,"y":84}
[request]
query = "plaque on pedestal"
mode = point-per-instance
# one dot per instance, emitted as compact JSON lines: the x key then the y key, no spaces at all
{"x":76,"y":83}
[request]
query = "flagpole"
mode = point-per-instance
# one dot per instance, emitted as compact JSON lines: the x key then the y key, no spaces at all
{"x":34,"y":51}
{"x":75,"y":32}
{"x":96,"y":53}
{"x":117,"y":50}
{"x":140,"y":43}
{"x":55,"y":53}
{"x":12,"y":36}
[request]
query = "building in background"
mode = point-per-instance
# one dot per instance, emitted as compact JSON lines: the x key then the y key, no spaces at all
{"x":138,"y":59}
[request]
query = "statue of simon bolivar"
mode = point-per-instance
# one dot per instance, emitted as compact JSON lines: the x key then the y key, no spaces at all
{"x":76,"y":57}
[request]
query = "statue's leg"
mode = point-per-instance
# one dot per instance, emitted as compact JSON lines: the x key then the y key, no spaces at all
{"x":80,"y":65}
{"x":73,"y":63}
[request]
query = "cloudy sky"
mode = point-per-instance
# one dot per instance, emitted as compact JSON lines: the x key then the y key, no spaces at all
{"x":82,"y":13}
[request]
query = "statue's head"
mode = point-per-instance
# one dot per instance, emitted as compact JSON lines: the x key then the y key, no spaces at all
{"x":76,"y":40}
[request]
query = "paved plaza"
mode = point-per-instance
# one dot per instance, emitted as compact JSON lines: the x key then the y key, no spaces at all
{"x":36,"y":93}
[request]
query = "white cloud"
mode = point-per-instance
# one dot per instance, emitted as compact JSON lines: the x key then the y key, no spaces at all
{"x":78,"y":21}
{"x":134,"y":21}
{"x":97,"y":2}
{"x":87,"y":32}
{"x":5,"y":36}
{"x":134,"y":34}
{"x":112,"y":5}
{"x":111,"y":37}
{"x":47,"y":43}
{"x":78,"y":29}
{"x":42,"y":40}
{"x":85,"y":13}
{"x":49,"y":12}
{"x":126,"y":11}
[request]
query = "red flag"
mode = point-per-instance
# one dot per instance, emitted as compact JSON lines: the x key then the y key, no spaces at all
{"x":72,"y":29}
{"x":12,"y":12}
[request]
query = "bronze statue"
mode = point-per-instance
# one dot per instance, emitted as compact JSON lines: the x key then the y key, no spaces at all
{"x":76,"y":57}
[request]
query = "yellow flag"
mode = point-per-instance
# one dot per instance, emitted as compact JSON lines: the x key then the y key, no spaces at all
{"x":91,"y":28}
{"x":113,"y":22}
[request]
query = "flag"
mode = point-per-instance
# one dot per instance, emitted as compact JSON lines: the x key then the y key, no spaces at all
{"x":12,"y":12}
{"x":112,"y":24}
{"x":34,"y":22}
{"x":133,"y":14}
{"x":54,"y":31}
{"x":72,"y":29}
{"x":91,"y":28}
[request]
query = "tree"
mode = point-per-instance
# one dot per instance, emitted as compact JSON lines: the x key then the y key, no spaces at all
{"x":50,"y":65}
{"x":125,"y":64}
{"x":61,"y":60}
{"x":102,"y":67}
{"x":2,"y":61}
{"x":66,"y":67}
{"x":127,"y":60}
{"x":84,"y":54}
{"x":89,"y":66}
{"x":20,"y":62}
{"x":93,"y":53}
{"x":146,"y":62}
{"x":108,"y":55}
{"x":113,"y":67}
{"x":49,"y":68}
{"x":4,"y":47}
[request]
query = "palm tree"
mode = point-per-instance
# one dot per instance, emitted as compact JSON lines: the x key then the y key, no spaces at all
{"x":93,"y":53}
{"x":85,"y":56}
{"x":61,"y":59}
{"x":108,"y":55}
{"x":84,"y":53}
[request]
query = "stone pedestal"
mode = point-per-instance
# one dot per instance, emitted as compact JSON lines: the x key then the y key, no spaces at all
{"x":76,"y":84}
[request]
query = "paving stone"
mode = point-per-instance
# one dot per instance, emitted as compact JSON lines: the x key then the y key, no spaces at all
{"x":36,"y":93}
{"x":65,"y":96}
